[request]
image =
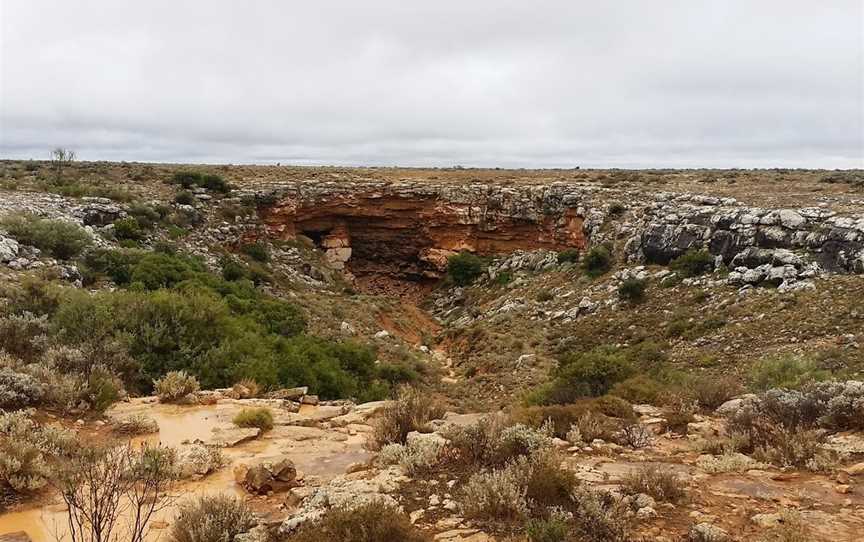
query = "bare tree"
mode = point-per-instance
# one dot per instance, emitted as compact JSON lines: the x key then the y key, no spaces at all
{"x":60,"y":158}
{"x":113,"y":493}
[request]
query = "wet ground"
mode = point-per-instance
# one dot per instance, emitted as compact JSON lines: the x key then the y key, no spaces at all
{"x":319,"y":454}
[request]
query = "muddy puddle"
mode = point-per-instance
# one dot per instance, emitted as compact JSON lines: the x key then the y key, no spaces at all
{"x":317,"y":453}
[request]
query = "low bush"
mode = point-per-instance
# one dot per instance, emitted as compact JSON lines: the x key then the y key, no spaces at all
{"x":802,"y":449}
{"x":597,"y":262}
{"x":29,"y":452}
{"x":18,"y":390}
{"x":679,"y":412}
{"x":662,"y":484}
{"x":137,"y":424}
{"x":710,"y":393}
{"x":128,"y":229}
{"x":543,"y":296}
{"x":570,"y":255}
{"x":554,"y":529}
{"x":599,"y":517}
{"x":790,"y":528}
{"x":602,"y":413}
{"x":261,"y":418}
{"x":693,"y":263}
{"x":367,"y":522}
{"x":23,"y":335}
{"x":632,"y":290}
{"x":188,"y":179}
{"x":184,"y":197}
{"x":587,"y":374}
{"x":175,"y":385}
{"x":634,"y":435}
{"x":62,"y":240}
{"x":548,"y":485}
{"x":498,"y":495}
{"x":728,"y":462}
{"x":464,"y":268}
{"x":639,"y":389}
{"x":790,"y":372}
{"x":411,"y":411}
{"x":256,"y":251}
{"x":211,"y":518}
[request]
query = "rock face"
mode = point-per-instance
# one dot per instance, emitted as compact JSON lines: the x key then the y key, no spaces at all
{"x":747,"y":236}
{"x":406,"y":230}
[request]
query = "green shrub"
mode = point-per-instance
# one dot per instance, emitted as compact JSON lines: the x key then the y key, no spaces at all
{"x":256,"y":251}
{"x":597,"y":262}
{"x":632,"y":290}
{"x":261,"y":418}
{"x":128,"y":229}
{"x":188,"y":179}
{"x":147,"y":216}
{"x":790,"y":372}
{"x":158,"y":270}
{"x":184,"y":197}
{"x":553,"y":529}
{"x":464,"y":268}
{"x":116,"y":264}
{"x":367,"y":522}
{"x":693,"y":263}
{"x":503,"y":278}
{"x":232,"y":270}
{"x":639,"y":389}
{"x":211,"y":518}
{"x":570,"y":255}
{"x":23,"y":335}
{"x":62,"y":240}
{"x":588,"y":374}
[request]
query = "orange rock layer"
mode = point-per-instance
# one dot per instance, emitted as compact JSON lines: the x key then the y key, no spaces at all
{"x":410,"y":236}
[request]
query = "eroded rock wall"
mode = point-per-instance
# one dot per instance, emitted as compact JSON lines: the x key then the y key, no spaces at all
{"x":409,"y":230}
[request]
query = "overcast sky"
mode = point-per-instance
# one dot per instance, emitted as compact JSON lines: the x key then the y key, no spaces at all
{"x":743,"y":83}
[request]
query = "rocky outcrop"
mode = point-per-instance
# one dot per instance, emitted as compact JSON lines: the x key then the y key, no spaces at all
{"x":409,"y":229}
{"x":747,"y":236}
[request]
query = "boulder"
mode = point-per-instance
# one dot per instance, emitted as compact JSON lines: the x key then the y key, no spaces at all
{"x":198,"y":460}
{"x":854,"y":470}
{"x":291,"y":394}
{"x":791,"y":219}
{"x":269,"y":475}
{"x":8,"y":249}
{"x":705,"y":532}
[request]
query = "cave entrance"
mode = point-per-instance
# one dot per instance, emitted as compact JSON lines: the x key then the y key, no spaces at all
{"x":317,"y":236}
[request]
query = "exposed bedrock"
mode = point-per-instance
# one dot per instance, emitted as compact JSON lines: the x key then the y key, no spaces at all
{"x":409,"y":231}
{"x":675,"y":224}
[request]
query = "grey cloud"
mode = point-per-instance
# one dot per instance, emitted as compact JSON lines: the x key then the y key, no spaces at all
{"x":495,"y":83}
